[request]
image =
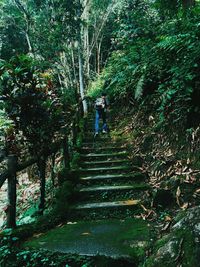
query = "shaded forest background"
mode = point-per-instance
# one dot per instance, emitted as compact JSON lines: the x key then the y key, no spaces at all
{"x":54,"y":53}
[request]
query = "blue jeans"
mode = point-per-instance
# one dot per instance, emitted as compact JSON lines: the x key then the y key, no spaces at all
{"x":100,"y":114}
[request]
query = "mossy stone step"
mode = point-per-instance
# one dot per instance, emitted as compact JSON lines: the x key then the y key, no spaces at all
{"x":102,"y":149}
{"x":107,"y":188}
{"x":113,"y":204}
{"x":115,"y":238}
{"x":101,"y":138}
{"x":105,"y":169}
{"x":105,"y":155}
{"x":96,"y":145}
{"x":110,"y":192}
{"x":132,"y":176}
{"x":106,"y":162}
{"x":90,"y":136}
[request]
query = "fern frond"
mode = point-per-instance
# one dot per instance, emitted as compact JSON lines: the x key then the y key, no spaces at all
{"x":140,"y":87}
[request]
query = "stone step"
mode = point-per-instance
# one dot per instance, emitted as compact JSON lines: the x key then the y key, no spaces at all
{"x":104,"y":156}
{"x":102,"y":149}
{"x":106,"y":163}
{"x":100,"y":144}
{"x":113,"y":204}
{"x":132,"y":176}
{"x":106,"y":169}
{"x":90,"y":135}
{"x":110,"y":192}
{"x":109,"y":188}
{"x":100,"y":138}
{"x":91,"y":131}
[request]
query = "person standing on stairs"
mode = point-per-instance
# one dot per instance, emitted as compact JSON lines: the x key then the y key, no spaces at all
{"x":101,"y":107}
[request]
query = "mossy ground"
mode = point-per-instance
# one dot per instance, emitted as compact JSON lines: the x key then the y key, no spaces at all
{"x":115,"y":238}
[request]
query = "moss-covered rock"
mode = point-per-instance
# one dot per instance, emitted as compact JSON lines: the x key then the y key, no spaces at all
{"x":180,"y":247}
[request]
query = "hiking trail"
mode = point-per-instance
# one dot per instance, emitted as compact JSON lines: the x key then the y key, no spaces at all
{"x":109,"y":196}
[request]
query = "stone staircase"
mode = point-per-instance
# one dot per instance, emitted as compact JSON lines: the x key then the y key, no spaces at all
{"x":109,"y":195}
{"x":110,"y":186}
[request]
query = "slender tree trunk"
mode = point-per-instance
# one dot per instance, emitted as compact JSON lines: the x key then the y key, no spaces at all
{"x":66,"y":156}
{"x":99,"y":55}
{"x":53,"y":159}
{"x":42,"y":171}
{"x":30,"y":49}
{"x":73,"y":64}
{"x":85,"y":34}
{"x":81,"y":79}
{"x":87,"y":51}
{"x":23,"y":8}
{"x":12,"y":195}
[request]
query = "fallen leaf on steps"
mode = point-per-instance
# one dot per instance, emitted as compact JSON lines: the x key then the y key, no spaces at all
{"x":87,"y":233}
{"x":185,"y":206}
{"x":166,"y":226}
{"x":178,"y":194}
{"x":168,"y":219}
{"x":37,"y":235}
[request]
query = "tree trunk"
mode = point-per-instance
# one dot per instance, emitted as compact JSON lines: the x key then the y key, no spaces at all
{"x":73,"y":64}
{"x":30,"y":49}
{"x":87,"y":51}
{"x":85,"y":30}
{"x":42,"y":169}
{"x":81,"y":79}
{"x":53,"y":158}
{"x":12,"y":195}
{"x":27,"y":18}
{"x":66,"y":153}
{"x":99,"y":55}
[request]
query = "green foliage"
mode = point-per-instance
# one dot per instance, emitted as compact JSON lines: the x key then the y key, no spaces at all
{"x":12,"y":257}
{"x":63,"y":195}
{"x":158,"y":57}
{"x":75,"y":162}
{"x":5,"y":125}
{"x":30,"y":100}
{"x":63,"y":175}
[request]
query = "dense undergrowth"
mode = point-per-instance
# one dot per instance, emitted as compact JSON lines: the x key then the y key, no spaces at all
{"x":155,"y":61}
{"x":154,"y":72}
{"x":152,"y":77}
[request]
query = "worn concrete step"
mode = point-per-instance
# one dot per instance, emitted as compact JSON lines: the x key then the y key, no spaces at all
{"x":106,"y":169}
{"x":138,"y":176}
{"x":106,"y":163}
{"x":99,"y":150}
{"x":102,"y":144}
{"x":97,"y":238}
{"x":112,"y":204}
{"x":106,"y":188}
{"x":110,"y":192}
{"x":104,"y":156}
{"x":100,"y":138}
{"x":90,"y":136}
